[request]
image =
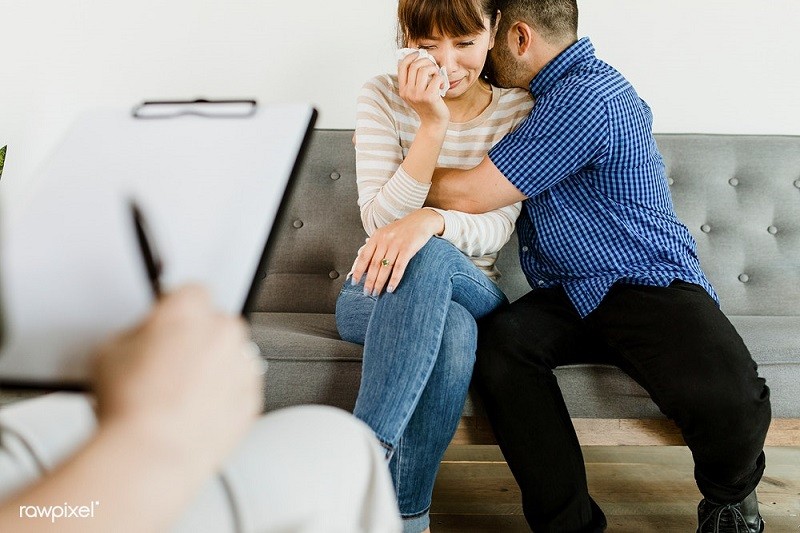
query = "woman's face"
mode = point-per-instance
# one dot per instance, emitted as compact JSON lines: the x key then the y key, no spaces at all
{"x":463,"y":56}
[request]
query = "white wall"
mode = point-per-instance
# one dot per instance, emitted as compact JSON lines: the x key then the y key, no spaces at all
{"x":720,"y":66}
{"x":711,"y":66}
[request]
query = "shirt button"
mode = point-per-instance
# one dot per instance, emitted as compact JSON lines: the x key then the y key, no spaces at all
{"x":524,"y":248}
{"x":541,"y":283}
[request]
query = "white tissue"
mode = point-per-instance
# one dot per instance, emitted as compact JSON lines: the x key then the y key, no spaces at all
{"x":403,"y":52}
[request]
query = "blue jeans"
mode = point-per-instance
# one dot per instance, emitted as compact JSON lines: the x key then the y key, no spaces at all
{"x":419,"y":350}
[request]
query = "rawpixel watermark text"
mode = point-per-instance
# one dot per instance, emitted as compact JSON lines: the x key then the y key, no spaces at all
{"x":58,"y":512}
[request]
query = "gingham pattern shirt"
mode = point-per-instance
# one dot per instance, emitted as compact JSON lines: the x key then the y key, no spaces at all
{"x":599,"y":209}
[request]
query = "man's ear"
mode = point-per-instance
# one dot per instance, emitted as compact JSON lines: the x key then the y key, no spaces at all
{"x":520,"y":38}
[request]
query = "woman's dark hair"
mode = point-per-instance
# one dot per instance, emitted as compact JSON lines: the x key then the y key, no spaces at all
{"x":420,"y":19}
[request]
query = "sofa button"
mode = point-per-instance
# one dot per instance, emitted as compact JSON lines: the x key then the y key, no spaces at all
{"x":297,"y":224}
{"x":333,"y":274}
{"x":744,"y":278}
{"x":733,"y":182}
{"x":670,"y":182}
{"x":772,"y":230}
{"x":705,"y":228}
{"x":797,"y":183}
{"x":335,"y":176}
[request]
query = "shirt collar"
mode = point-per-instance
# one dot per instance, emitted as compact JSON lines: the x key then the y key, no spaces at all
{"x":559,"y":65}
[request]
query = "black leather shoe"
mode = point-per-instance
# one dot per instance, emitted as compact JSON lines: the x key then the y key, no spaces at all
{"x":742,"y":517}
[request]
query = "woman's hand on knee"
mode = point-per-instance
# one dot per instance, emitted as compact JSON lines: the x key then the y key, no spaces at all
{"x":386,"y":254}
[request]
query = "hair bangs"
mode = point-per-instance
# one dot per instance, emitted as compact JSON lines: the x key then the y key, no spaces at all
{"x":421,"y":19}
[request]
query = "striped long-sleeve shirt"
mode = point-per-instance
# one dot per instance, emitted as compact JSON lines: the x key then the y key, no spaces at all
{"x":385,"y":129}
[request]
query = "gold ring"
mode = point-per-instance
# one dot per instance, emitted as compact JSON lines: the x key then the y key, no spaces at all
{"x":385,"y":262}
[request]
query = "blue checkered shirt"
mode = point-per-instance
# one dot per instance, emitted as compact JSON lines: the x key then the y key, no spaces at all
{"x":598,"y":210}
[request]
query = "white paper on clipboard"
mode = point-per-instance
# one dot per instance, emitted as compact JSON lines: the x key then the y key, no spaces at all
{"x":70,"y":267}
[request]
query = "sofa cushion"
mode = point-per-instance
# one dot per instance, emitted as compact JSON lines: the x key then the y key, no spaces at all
{"x":310,"y":364}
{"x":772,"y":341}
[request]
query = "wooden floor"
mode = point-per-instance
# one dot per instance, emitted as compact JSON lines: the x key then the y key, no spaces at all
{"x":641,"y":489}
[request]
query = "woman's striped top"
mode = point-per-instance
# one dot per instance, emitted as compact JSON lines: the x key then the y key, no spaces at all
{"x":385,"y":129}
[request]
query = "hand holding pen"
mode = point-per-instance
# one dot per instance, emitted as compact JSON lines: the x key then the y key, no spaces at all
{"x":154,"y":267}
{"x":152,"y":260}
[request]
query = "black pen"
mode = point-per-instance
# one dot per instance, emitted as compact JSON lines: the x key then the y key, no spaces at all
{"x":152,"y":261}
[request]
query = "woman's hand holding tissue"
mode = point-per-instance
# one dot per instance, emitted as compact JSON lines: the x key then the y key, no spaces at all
{"x":421,"y":82}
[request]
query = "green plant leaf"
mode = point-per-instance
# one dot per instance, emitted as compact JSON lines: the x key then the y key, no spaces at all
{"x":2,"y":159}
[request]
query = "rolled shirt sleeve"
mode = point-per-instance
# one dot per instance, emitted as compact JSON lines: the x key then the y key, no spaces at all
{"x":563,"y":134}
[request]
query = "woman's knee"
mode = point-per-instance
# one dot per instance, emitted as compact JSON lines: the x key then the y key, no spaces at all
{"x":438,"y":258}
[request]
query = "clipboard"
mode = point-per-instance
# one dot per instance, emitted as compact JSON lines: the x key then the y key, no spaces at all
{"x":210,"y":176}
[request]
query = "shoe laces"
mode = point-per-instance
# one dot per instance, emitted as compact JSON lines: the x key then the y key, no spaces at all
{"x":725,"y":519}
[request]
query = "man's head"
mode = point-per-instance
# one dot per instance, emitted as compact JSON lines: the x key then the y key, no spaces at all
{"x":529,"y":35}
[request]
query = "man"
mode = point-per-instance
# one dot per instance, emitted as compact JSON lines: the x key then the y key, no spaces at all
{"x":615,"y":279}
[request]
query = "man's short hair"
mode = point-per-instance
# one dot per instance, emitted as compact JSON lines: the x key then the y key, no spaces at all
{"x":555,"y":20}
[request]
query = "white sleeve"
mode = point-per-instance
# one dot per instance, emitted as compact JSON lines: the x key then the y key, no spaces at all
{"x":478,"y":235}
{"x":38,"y":434}
{"x":277,"y":481}
{"x":386,"y":192}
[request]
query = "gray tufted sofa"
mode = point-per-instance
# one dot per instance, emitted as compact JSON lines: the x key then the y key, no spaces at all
{"x":739,"y":196}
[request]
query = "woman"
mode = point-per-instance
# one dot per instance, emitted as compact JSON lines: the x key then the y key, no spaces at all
{"x":437,"y":267}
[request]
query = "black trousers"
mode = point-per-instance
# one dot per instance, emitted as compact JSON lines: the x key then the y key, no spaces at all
{"x":673,"y":340}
